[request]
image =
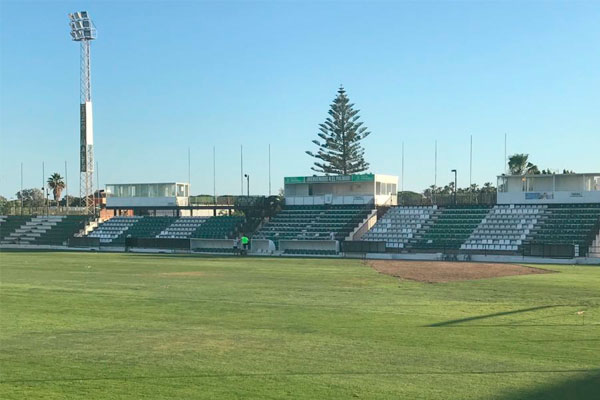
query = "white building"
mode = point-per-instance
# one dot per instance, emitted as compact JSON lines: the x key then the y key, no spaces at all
{"x":133,"y":195}
{"x":547,"y":189}
{"x":341,"y":189}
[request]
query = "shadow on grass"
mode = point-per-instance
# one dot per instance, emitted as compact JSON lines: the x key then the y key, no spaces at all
{"x":582,"y":387}
{"x":499,"y":314}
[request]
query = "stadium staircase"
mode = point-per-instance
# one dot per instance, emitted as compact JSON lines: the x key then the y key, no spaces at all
{"x":313,"y":222}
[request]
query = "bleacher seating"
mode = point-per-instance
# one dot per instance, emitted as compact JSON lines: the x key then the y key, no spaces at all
{"x":220,"y":227}
{"x":112,"y":229}
{"x":400,"y":226}
{"x":9,"y":224}
{"x":115,"y":230}
{"x":576,"y":224}
{"x":40,"y":230}
{"x":147,"y":227}
{"x":313,"y":222}
{"x":451,"y":227}
{"x":182,"y":228}
{"x":62,"y":230}
{"x":505,"y":227}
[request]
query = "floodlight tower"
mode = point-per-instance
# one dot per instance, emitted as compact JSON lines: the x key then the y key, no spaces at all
{"x":84,"y":31}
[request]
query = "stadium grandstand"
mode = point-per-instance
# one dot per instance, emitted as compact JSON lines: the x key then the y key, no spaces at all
{"x":338,"y":215}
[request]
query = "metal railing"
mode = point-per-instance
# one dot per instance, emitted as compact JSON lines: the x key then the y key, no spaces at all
{"x":43,"y":210}
{"x":448,"y":199}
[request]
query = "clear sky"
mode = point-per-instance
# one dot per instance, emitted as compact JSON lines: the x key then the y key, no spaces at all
{"x":170,"y":75}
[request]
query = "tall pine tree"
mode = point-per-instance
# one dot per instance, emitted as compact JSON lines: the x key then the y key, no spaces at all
{"x":339,"y":150}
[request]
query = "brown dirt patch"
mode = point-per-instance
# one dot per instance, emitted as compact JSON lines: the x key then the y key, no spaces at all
{"x":442,"y":271}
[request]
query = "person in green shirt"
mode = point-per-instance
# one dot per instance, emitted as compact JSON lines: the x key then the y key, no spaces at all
{"x":245,"y":242}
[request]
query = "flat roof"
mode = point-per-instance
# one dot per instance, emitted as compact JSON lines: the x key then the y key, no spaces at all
{"x":148,"y":183}
{"x":334,"y":178}
{"x":547,"y":175}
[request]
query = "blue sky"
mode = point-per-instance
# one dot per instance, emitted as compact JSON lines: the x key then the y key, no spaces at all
{"x":170,"y":75}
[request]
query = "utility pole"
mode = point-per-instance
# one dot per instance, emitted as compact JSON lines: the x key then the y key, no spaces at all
{"x":214,"y":177}
{"x":455,"y":185}
{"x":44,"y":191}
{"x":21,"y":188}
{"x":242,"y":169}
{"x":66,"y":187}
{"x":402,"y":185}
{"x":434,"y":172}
{"x":471,"y":163}
{"x":98,"y":190}
{"x":505,"y":159}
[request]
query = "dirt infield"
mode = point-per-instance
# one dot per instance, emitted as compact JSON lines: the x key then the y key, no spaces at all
{"x":442,"y":271}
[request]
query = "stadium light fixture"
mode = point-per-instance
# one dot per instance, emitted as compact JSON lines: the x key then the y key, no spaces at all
{"x":82,"y":27}
{"x":84,"y":31}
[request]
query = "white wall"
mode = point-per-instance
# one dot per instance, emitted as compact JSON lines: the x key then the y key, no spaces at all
{"x":320,"y":200}
{"x":548,"y":197}
{"x":131,"y":202}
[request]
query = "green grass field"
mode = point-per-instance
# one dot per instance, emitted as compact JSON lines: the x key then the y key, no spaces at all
{"x":125,"y":326}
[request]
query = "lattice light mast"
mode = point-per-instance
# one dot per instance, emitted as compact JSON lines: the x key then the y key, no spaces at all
{"x":83,"y":31}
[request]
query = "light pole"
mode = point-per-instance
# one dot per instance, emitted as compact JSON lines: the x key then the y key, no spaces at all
{"x":84,"y":31}
{"x":247,"y":183}
{"x":455,"y":182}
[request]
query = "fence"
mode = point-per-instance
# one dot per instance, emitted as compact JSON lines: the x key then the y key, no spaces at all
{"x":551,"y":250}
{"x":158,"y":243}
{"x":42,"y":210}
{"x":448,"y":199}
{"x":363,"y":246}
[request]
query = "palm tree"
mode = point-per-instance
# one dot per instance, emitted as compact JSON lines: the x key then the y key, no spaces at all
{"x":56,"y":183}
{"x":518,"y":164}
{"x":474,"y":188}
{"x":488,"y":188}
